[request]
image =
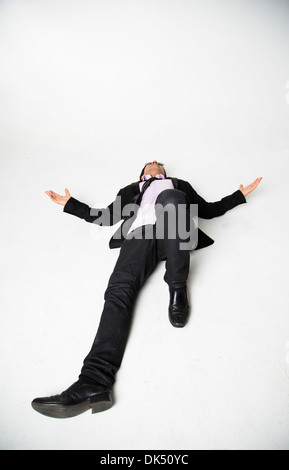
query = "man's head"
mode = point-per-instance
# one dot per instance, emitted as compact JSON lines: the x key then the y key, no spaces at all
{"x":153,"y":168}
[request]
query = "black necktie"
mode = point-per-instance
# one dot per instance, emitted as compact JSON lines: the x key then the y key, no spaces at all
{"x":147,"y":183}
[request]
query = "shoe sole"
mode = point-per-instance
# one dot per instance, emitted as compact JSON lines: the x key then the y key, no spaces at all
{"x":97,"y":404}
{"x":178,"y":325}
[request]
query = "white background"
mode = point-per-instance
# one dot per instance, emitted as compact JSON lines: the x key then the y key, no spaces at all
{"x":90,"y":91}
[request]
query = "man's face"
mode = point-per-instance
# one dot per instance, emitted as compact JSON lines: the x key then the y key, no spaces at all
{"x":154,"y":169}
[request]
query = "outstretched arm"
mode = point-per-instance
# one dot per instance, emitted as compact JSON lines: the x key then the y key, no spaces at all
{"x":209,"y":210}
{"x":108,"y":216}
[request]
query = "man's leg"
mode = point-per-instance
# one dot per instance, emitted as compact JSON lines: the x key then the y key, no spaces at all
{"x":137,"y":260}
{"x":173,"y":213}
{"x":172,"y":209}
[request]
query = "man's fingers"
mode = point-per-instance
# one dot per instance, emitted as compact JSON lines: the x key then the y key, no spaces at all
{"x":257,"y":181}
{"x":254,"y":184}
{"x":248,"y":189}
{"x":53,"y":196}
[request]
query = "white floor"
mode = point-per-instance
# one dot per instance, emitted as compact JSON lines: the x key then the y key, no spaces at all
{"x":90,"y":91}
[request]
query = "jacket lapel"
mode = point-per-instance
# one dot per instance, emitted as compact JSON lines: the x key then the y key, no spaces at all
{"x":175,"y":182}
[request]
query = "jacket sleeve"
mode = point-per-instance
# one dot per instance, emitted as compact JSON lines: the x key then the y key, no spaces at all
{"x":109,"y":216}
{"x":209,"y":210}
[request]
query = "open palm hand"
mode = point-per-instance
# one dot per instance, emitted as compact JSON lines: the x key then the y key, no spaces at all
{"x":57,"y":198}
{"x":248,"y":189}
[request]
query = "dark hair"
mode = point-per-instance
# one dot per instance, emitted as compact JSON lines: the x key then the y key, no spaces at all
{"x":142,"y":173}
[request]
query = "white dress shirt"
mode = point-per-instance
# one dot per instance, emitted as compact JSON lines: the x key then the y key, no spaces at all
{"x":146,"y":213}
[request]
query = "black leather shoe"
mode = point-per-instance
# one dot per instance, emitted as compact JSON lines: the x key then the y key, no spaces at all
{"x":178,"y":308}
{"x":75,"y":400}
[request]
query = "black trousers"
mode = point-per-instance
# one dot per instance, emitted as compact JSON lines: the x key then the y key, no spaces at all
{"x":137,"y":260}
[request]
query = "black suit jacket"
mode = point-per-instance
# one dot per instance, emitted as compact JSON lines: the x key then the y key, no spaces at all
{"x":131,"y":195}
